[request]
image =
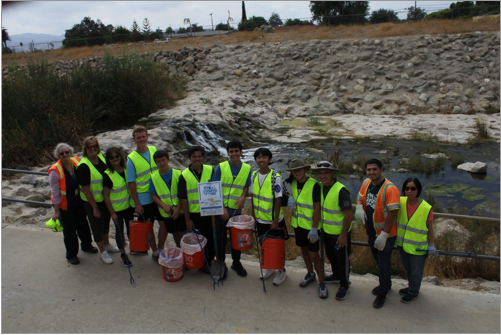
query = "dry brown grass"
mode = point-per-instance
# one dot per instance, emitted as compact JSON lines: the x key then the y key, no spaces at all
{"x":280,"y":35}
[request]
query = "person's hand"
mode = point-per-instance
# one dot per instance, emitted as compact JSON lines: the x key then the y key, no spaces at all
{"x":96,"y":212}
{"x":56,"y":216}
{"x":166,"y":208}
{"x":139,"y":209}
{"x":380,"y":241}
{"x":189,"y":224}
{"x":432,"y":251}
{"x":342,"y":240}
{"x":291,"y":204}
{"x":225,"y":215}
{"x":313,"y":235}
{"x":240,"y":203}
{"x":175,"y":215}
{"x":360,"y":215}
{"x":274,"y":225}
{"x":114,"y":217}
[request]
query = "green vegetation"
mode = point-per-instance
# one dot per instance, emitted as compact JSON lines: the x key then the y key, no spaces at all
{"x":481,"y":130}
{"x":206,"y":100}
{"x":313,"y":121}
{"x":41,"y":108}
{"x":423,"y":164}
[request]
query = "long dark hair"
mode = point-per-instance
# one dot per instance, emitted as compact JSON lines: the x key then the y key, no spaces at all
{"x":416,"y":182}
{"x":110,"y":152}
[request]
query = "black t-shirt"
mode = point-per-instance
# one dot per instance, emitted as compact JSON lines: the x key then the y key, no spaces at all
{"x":316,"y":191}
{"x":107,"y":180}
{"x":83,"y":172}
{"x":370,"y":205}
{"x":344,"y":199}
{"x":181,"y":186}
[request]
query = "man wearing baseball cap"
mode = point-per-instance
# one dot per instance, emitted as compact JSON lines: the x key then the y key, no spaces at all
{"x":336,"y":216}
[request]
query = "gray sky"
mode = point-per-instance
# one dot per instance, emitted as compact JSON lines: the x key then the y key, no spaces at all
{"x":54,"y":17}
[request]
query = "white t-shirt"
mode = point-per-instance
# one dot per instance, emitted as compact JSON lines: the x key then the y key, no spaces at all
{"x":277,"y":191}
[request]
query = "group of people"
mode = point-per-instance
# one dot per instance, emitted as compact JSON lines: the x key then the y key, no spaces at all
{"x":99,"y":187}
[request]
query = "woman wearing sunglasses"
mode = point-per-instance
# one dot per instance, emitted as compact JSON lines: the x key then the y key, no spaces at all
{"x":117,"y":197}
{"x":414,"y":236}
{"x":67,"y":204}
{"x":90,"y":172}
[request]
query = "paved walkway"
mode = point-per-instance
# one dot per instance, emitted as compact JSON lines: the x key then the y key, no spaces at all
{"x":42,"y":293}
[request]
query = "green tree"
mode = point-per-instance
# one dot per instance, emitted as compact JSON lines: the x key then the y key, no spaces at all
{"x":253,"y":22}
{"x":21,"y":44}
{"x":443,"y":14}
{"x":383,"y":15}
{"x":223,"y":26}
{"x":169,"y":31}
{"x":275,"y":20}
{"x":135,"y":34}
{"x":135,"y":27}
{"x":88,"y":32}
{"x":230,"y":19}
{"x":188,"y":22}
{"x":415,"y":14}
{"x":146,"y":29}
{"x":5,"y":37}
{"x":244,"y":14}
{"x":339,"y":12}
{"x":298,"y":22}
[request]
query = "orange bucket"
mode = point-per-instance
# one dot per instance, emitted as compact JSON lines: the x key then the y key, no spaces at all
{"x":272,"y":254}
{"x":193,"y":256}
{"x":172,"y":275}
{"x":241,"y":239}
{"x":195,"y":261}
{"x":171,"y":259}
{"x":139,"y":231}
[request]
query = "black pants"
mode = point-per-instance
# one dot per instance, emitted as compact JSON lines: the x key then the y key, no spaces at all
{"x":75,"y":226}
{"x":123,"y":216}
{"x":100,"y":226}
{"x":204,"y":225}
{"x":222,"y":238}
{"x":339,"y":258}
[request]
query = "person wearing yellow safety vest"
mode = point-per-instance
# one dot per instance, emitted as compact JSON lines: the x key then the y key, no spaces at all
{"x":336,"y":216}
{"x":305,"y":207}
{"x":378,"y":202}
{"x":196,"y":172}
{"x":163,"y":189}
{"x":235,"y":181}
{"x":117,"y":198}
{"x":68,"y":206}
{"x":266,"y":204}
{"x":415,"y":239}
{"x":89,"y":174}
{"x":140,"y":165}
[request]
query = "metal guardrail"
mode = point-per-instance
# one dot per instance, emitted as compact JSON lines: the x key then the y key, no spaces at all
{"x":358,"y":243}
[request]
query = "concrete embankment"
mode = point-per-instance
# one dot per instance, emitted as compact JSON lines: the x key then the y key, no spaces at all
{"x":42,"y":293}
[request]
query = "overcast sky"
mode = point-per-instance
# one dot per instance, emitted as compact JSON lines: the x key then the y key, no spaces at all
{"x":54,"y":17}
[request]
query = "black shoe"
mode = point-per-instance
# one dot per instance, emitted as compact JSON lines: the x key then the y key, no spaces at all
{"x":240,"y":270}
{"x":205,"y":270}
{"x":379,"y":302}
{"x":408,"y":298}
{"x":91,"y":250}
{"x":404,"y":291}
{"x":375,"y":290}
{"x":74,"y":260}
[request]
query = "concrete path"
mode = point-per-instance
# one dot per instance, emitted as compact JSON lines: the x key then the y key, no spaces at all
{"x":43,"y":293}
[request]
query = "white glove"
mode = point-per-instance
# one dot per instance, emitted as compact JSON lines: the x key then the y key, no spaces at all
{"x":431,"y":250}
{"x":291,"y":204}
{"x":380,"y":241}
{"x":360,"y":215}
{"x":313,"y":235}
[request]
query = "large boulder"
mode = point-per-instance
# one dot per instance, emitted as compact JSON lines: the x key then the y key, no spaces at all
{"x":477,"y":167}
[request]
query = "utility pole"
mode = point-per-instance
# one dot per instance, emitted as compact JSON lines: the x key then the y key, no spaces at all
{"x":211,"y":21}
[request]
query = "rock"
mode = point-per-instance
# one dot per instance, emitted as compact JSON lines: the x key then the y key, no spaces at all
{"x":477,"y":167}
{"x":359,"y":89}
{"x":35,"y":197}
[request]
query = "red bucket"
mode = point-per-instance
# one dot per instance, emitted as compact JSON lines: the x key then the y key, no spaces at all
{"x":241,"y":239}
{"x":171,"y":259}
{"x":193,"y":256}
{"x":139,"y":231}
{"x":272,"y":254}
{"x":172,"y":275}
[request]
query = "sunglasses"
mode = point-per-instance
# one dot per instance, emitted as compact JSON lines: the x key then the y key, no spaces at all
{"x":410,"y":189}
{"x":324,"y":165}
{"x":64,"y":153}
{"x":95,"y":147}
{"x":114,"y":157}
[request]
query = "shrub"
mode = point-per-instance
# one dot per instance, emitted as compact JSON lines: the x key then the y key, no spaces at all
{"x":481,"y":130}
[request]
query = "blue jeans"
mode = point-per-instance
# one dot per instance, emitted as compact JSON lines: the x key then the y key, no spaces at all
{"x":414,"y":267}
{"x":383,"y":259}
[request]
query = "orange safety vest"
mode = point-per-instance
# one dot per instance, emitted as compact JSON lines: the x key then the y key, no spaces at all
{"x":58,"y":167}
{"x":388,"y":199}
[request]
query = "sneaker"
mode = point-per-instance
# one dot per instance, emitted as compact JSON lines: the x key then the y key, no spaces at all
{"x":111,"y":248}
{"x":323,"y":293}
{"x":91,"y":250}
{"x":309,"y":278}
{"x":140,"y":253}
{"x":280,"y":277}
{"x":342,"y":292}
{"x":404,"y":291}
{"x":379,"y":302}
{"x":74,"y":260}
{"x":239,"y":269}
{"x":125,"y":260}
{"x":105,"y":257}
{"x":266,"y":274}
{"x":408,"y":298}
{"x":330,"y":279}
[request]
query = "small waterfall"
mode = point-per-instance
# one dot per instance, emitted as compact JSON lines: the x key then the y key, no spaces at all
{"x":207,"y":138}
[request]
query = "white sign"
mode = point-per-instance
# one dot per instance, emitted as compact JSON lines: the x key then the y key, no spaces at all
{"x":210,"y":198}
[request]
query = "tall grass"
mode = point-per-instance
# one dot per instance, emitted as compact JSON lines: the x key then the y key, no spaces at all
{"x":481,"y":130}
{"x":41,"y":109}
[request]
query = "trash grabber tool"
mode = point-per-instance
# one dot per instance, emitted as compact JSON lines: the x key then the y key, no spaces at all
{"x":259,"y":257}
{"x":123,"y":243}
{"x":216,"y":264}
{"x":206,"y":262}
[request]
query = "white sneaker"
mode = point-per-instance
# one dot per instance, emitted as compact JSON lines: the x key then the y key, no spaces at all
{"x":280,"y":278}
{"x":111,"y":248}
{"x":105,"y":257}
{"x":266,"y":274}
